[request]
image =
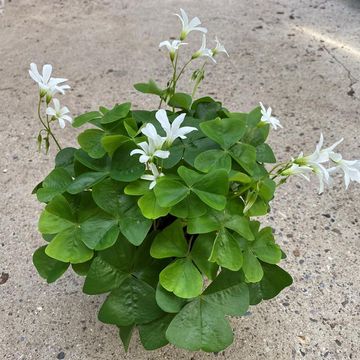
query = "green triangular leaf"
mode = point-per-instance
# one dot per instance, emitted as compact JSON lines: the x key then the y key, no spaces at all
{"x":200,"y":326}
{"x":132,"y":302}
{"x":182,"y":278}
{"x":54,"y":184}
{"x":152,"y":335}
{"x":170,"y":242}
{"x":226,"y":132}
{"x":47,"y":267}
{"x":200,"y":254}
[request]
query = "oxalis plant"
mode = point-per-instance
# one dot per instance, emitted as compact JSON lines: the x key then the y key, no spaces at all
{"x":160,"y":209}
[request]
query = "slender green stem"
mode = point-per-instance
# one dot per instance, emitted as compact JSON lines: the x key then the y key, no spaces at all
{"x":198,"y":80}
{"x":39,"y":115}
{"x":182,"y":70}
{"x":47,"y":125}
{"x":190,"y":243}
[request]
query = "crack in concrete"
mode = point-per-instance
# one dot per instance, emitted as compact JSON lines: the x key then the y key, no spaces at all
{"x":353,"y":80}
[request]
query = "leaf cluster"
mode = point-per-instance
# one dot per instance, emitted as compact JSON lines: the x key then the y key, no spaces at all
{"x":176,"y":260}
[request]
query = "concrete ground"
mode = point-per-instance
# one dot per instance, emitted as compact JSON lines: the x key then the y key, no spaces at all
{"x":300,"y":56}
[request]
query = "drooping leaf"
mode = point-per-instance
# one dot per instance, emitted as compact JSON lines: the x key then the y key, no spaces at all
{"x":110,"y":268}
{"x":200,"y":326}
{"x":229,"y":293}
{"x":82,"y":269}
{"x":48,"y":268}
{"x":133,"y":302}
{"x":54,"y":184}
{"x":275,"y":279}
{"x":125,"y":333}
{"x":152,"y":335}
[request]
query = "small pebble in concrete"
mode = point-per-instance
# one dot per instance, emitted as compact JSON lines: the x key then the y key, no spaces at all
{"x":60,"y":355}
{"x":4,"y":278}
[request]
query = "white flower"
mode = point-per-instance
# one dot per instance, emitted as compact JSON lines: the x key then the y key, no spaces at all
{"x":219,"y":48}
{"x":152,"y":177}
{"x":204,"y":51}
{"x":150,"y":132}
{"x":296,"y":169}
{"x":172,"y":46}
{"x":320,"y":156}
{"x":323,"y":176}
{"x":173,"y":131}
{"x":350,"y":168}
{"x":59,"y":113}
{"x":152,"y":148}
{"x":187,"y":26}
{"x":49,"y":86}
{"x":268,"y":119}
{"x":316,"y":160}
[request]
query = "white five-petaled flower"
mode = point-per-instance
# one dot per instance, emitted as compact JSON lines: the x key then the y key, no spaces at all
{"x":59,"y":113}
{"x":152,"y":148}
{"x":204,"y":51}
{"x":316,"y":160}
{"x":152,"y":177}
{"x":268,"y":119}
{"x":187,"y":26}
{"x":219,"y":48}
{"x":320,"y":156}
{"x":172,"y":46}
{"x":350,"y":168}
{"x":49,"y":86}
{"x":173,"y":130}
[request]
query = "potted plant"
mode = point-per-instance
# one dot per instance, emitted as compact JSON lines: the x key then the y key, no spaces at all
{"x":161,"y":208}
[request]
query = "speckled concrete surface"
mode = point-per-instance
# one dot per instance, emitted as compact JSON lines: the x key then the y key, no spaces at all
{"x":300,"y":56}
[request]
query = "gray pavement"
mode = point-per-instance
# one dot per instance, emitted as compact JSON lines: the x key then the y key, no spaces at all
{"x":302,"y":57}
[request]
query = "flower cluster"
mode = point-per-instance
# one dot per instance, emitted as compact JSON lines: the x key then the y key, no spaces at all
{"x":50,"y":86}
{"x":188,"y":27}
{"x":152,"y":150}
{"x":315,"y":163}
